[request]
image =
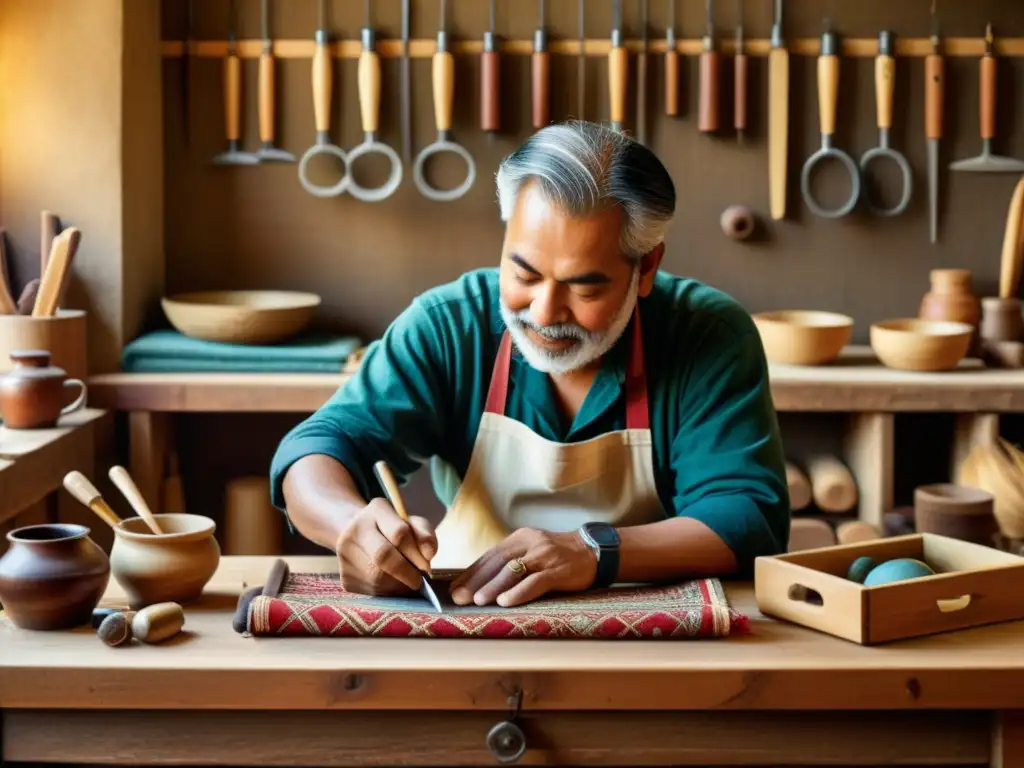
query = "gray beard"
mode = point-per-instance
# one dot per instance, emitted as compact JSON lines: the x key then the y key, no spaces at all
{"x":587,"y":346}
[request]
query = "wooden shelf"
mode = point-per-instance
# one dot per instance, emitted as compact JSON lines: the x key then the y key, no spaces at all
{"x":424,"y":48}
{"x":855,"y":383}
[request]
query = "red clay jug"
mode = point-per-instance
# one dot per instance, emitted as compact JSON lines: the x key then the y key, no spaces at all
{"x":34,"y":393}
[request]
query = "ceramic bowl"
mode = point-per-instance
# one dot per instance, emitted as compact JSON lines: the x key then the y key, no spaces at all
{"x":911,"y":344}
{"x":169,"y":567}
{"x":241,"y":317}
{"x":956,"y":511}
{"x":803,"y":337}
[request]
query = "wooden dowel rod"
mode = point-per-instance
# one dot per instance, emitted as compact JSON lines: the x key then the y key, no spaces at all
{"x":424,"y":49}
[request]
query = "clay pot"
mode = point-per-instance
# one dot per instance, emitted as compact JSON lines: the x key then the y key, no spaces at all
{"x":172,"y":567}
{"x":33,"y":394}
{"x":957,"y":511}
{"x":52,"y":576}
{"x":950,"y":298}
{"x":1001,"y":319}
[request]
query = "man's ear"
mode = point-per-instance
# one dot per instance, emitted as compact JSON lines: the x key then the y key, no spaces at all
{"x":649,"y":267}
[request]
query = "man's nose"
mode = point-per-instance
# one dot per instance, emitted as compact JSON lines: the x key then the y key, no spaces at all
{"x":547,"y":307}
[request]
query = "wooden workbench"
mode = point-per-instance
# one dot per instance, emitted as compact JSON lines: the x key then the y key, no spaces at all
{"x":782,"y":695}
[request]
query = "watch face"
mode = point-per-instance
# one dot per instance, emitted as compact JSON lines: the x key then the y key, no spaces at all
{"x":602,"y":534}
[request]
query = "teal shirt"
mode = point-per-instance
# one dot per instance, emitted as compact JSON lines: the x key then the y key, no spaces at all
{"x":420,"y":391}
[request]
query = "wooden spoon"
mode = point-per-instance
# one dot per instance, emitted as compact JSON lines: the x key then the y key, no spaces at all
{"x":78,"y":485}
{"x":120,"y":477}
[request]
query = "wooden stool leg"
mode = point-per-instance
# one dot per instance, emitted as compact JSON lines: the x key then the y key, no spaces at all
{"x":149,"y":436}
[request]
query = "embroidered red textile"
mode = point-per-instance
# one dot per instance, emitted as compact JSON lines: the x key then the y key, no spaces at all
{"x":315,"y":604}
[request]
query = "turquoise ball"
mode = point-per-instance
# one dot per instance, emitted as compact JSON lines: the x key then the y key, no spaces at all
{"x":897,"y":570}
{"x":860,"y":568}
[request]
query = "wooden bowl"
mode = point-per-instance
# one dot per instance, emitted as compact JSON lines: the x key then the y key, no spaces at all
{"x":241,"y":317}
{"x":957,"y":511}
{"x":803,"y":337}
{"x":911,"y":344}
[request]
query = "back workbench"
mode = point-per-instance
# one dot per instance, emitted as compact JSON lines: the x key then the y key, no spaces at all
{"x":782,"y":695}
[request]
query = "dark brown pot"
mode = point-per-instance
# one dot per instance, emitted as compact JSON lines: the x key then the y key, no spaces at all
{"x":957,"y":511}
{"x":52,"y":576}
{"x":33,"y":394}
{"x":1001,"y":319}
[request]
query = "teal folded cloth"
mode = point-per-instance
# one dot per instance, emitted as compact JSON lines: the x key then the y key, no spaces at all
{"x":168,"y":351}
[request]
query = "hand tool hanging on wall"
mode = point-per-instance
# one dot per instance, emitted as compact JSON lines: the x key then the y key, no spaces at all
{"x":707,"y":113}
{"x":778,"y":118}
{"x":540,"y":73}
{"x":581,"y":65}
{"x":986,"y":161}
{"x":740,"y":78}
{"x":443,"y":72}
{"x":323,"y":69}
{"x":267,"y":150}
{"x":369,"y":111}
{"x":934,"y":84}
{"x":618,"y":70}
{"x":186,"y":74}
{"x":828,"y":95}
{"x":671,"y":64}
{"x":641,"y":78}
{"x":885,"y":77}
{"x":490,"y":78}
{"x":406,"y":106}
{"x":233,"y":155}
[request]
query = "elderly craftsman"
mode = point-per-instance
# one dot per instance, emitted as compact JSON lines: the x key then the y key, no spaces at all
{"x":613,"y":423}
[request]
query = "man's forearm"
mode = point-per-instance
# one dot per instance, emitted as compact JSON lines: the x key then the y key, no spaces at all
{"x":673,"y":548}
{"x":321,"y":498}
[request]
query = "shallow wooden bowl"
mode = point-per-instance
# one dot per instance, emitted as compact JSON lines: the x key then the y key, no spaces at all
{"x":803,"y":336}
{"x":241,"y":317}
{"x":911,"y":344}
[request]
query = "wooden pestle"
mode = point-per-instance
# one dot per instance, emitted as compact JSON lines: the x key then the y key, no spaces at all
{"x":120,"y":477}
{"x":832,"y":485}
{"x":799,"y":487}
{"x":78,"y":485}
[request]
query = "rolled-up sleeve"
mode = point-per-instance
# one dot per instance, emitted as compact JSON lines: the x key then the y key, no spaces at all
{"x":394,"y":408}
{"x":727,"y":454}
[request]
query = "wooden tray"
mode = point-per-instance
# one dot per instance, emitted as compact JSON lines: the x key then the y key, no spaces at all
{"x":973,"y":585}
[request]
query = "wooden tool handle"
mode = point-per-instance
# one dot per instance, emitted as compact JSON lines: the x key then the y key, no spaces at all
{"x":266,"y":97}
{"x":885,"y":86}
{"x":934,"y":75}
{"x":51,"y":286}
{"x":988,"y":96}
{"x":490,"y":91}
{"x":443,"y":70}
{"x":828,"y":92}
{"x":233,"y":97}
{"x":740,"y":92}
{"x":540,"y":71}
{"x":390,"y":485}
{"x":369,"y":90}
{"x":618,"y":70}
{"x":322,"y":83}
{"x":47,"y":231}
{"x":707,"y":114}
{"x":1012,"y":256}
{"x":672,"y":83}
{"x":778,"y":130}
{"x":85,"y":492}
{"x":123,"y":481}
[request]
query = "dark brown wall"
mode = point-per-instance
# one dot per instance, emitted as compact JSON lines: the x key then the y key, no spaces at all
{"x":256,"y":227}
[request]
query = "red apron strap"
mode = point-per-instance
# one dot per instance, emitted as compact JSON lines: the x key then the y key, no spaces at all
{"x":497,"y":392}
{"x":637,"y":414}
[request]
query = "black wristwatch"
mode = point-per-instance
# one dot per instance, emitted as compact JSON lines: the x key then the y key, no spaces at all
{"x":605,"y":541}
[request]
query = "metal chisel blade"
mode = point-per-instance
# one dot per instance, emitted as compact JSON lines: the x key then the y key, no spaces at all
{"x":427,"y":590}
{"x":933,"y":189}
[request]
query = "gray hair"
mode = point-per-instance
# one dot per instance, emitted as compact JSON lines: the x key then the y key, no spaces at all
{"x":583,"y":167}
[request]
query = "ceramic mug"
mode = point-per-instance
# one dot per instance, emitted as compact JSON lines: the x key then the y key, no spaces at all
{"x":33,"y":393}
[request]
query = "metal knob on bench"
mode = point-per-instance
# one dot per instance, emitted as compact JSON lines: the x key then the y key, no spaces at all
{"x":506,"y":741}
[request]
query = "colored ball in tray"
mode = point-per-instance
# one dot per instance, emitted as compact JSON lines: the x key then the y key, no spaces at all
{"x":860,"y":568}
{"x":897,"y":570}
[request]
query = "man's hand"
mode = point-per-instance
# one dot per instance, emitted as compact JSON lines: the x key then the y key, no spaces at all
{"x":555,"y":562}
{"x":381,"y":554}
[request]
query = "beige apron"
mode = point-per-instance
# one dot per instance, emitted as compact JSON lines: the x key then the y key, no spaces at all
{"x":518,"y":479}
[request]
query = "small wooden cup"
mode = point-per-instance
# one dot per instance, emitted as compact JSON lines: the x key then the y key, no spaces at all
{"x":957,"y":511}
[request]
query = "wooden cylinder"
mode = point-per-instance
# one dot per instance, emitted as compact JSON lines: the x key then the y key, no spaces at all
{"x":832,"y":485}
{"x":856,"y":531}
{"x":799,"y":487}
{"x":809,"y":533}
{"x":252,"y":525}
{"x":63,"y":336}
